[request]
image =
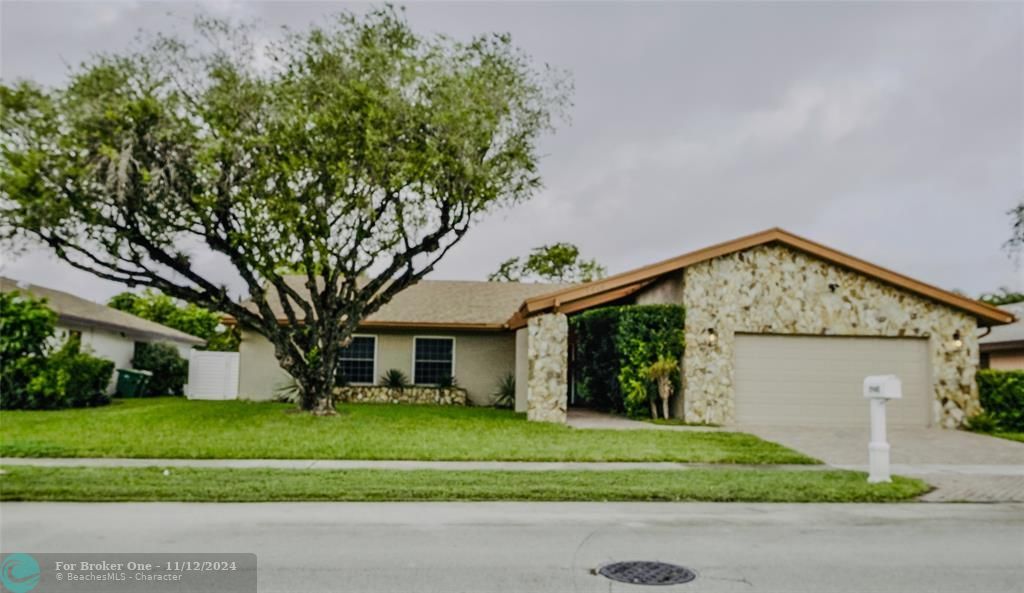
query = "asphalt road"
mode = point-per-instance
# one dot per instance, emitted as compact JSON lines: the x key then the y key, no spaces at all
{"x":537,"y":547}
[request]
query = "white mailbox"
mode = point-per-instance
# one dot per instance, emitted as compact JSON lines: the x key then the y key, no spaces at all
{"x":883,"y":387}
{"x":880,"y":389}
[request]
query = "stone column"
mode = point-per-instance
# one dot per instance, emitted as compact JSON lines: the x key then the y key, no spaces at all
{"x":548,"y":355}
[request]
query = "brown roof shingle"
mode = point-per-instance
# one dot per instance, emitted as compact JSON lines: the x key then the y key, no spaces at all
{"x":74,"y":310}
{"x":443,"y":303}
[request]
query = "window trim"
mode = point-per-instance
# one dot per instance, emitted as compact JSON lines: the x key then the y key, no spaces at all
{"x":376,"y":357}
{"x":427,"y":337}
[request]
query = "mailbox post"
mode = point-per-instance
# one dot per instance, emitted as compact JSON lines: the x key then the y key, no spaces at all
{"x":880,"y":389}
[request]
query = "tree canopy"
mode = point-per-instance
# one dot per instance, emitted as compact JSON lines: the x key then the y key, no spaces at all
{"x":187,"y":317}
{"x":1003,"y":296}
{"x":358,"y":151}
{"x":559,"y":262}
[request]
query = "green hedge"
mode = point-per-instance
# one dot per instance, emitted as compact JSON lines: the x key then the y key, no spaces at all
{"x":170,"y":370}
{"x":612,"y":348}
{"x":32,"y":377}
{"x":1002,"y":397}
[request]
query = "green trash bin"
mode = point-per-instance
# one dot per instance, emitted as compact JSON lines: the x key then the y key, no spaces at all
{"x":132,"y":383}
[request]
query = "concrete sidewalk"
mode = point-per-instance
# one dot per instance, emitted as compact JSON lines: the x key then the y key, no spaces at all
{"x":348,"y":464}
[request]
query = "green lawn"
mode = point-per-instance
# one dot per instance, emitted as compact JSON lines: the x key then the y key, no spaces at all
{"x":177,"y":428}
{"x":1013,"y":436}
{"x":252,"y":485}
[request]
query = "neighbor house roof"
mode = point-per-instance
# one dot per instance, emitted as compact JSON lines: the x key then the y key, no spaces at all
{"x":78,"y":312}
{"x":1006,"y":336}
{"x":441,"y":304}
{"x":615,"y":287}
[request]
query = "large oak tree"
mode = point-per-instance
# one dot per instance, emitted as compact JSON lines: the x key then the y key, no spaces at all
{"x":358,"y":152}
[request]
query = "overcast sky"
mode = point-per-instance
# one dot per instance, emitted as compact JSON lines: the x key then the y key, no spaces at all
{"x":894,"y":132}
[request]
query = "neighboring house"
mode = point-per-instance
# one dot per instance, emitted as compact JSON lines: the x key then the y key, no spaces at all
{"x":1003,"y":348}
{"x":108,"y":333}
{"x":779,"y":330}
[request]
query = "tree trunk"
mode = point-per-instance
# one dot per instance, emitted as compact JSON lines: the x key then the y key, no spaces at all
{"x":316,"y":391}
{"x":312,"y":364}
{"x":665,"y":391}
{"x":654,"y":409}
{"x":325,"y":405}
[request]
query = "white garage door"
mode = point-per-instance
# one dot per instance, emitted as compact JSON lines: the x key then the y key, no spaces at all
{"x":817,"y":381}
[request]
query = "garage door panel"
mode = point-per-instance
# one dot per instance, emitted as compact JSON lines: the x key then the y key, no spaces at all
{"x":816,"y":380}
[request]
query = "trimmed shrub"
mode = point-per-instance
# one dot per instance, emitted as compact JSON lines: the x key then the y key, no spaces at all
{"x":613,"y":348}
{"x":70,"y":378}
{"x":32,"y":377}
{"x":1002,"y":397}
{"x":170,"y":370}
{"x":394,"y":379}
{"x":505,"y":394}
{"x":26,"y":327}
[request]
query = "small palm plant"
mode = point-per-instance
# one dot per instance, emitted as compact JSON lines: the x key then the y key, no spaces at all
{"x":505,"y":395}
{"x":661,"y":371}
{"x":394,"y":379}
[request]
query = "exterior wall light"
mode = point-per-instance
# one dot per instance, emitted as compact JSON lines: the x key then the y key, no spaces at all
{"x":711,"y":337}
{"x":958,"y":341}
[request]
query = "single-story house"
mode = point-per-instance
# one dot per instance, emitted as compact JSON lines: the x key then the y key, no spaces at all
{"x":1003,"y":347}
{"x":779,"y":330}
{"x":431,"y":329}
{"x":105,"y":332}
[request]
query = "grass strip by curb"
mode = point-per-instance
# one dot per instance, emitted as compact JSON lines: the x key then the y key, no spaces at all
{"x":173,"y":427}
{"x":27,"y":483}
{"x":1010,"y":436}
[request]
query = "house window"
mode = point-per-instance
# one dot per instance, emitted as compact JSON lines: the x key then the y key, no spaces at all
{"x":433,"y":360}
{"x":357,"y":363}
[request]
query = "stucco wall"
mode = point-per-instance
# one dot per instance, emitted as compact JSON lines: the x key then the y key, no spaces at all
{"x":773,"y":289}
{"x":665,"y":291}
{"x":258,"y":372}
{"x":481,"y":360}
{"x":522,"y":368}
{"x":1009,"y":360}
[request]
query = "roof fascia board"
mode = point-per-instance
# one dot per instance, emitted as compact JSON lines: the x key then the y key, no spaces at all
{"x":984,"y":312}
{"x":75,"y":321}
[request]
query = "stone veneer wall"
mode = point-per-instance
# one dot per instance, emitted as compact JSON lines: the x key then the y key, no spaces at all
{"x":378,"y":394}
{"x":548,"y":358}
{"x":773,"y":289}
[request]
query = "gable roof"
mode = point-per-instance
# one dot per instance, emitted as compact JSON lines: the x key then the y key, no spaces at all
{"x":615,"y":287}
{"x":440,"y":304}
{"x":78,"y":312}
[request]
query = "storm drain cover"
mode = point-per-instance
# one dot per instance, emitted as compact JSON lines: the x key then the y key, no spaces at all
{"x":647,"y":573}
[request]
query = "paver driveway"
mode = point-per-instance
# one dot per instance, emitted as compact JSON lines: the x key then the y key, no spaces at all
{"x":963,"y":466}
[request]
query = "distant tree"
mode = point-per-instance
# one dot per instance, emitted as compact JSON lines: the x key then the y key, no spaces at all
{"x":187,"y":317}
{"x":560,"y":262}
{"x":358,"y":149}
{"x":1003,"y":296}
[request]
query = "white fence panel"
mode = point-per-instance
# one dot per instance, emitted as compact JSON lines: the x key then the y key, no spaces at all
{"x":212,"y":375}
